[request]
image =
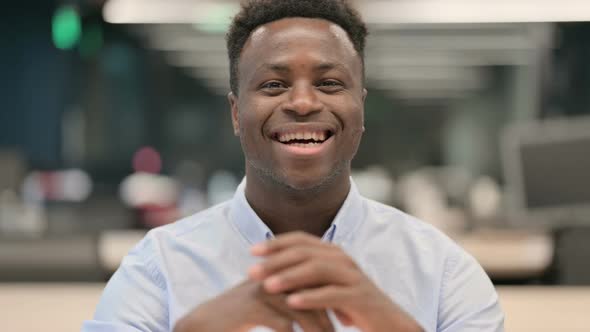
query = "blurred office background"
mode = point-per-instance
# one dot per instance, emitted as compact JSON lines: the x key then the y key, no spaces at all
{"x":114,"y":120}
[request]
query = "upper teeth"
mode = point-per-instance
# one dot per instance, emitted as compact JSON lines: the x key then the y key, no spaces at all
{"x":316,"y":136}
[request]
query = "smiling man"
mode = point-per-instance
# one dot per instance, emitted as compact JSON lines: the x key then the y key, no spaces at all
{"x":297,"y":246}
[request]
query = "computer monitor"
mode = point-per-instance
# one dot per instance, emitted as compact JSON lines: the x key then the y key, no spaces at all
{"x":547,"y":172}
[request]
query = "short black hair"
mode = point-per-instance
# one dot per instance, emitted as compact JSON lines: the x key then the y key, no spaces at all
{"x":255,"y":13}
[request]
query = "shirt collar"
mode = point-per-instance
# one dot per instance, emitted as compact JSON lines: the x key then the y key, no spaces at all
{"x":254,"y":230}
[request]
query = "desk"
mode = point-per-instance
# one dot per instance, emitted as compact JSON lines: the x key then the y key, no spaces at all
{"x":546,"y":309}
{"x":47,"y":307}
{"x":509,"y":253}
{"x":63,"y":307}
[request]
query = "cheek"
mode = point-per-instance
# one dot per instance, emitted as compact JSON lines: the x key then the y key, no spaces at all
{"x":252,"y":119}
{"x":357,"y":134}
{"x":249,"y":119}
{"x":355,"y":121}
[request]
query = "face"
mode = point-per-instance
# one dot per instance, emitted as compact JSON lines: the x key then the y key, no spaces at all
{"x":299,"y":113}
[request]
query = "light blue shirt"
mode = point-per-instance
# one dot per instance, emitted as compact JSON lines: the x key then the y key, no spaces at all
{"x":178,"y":266}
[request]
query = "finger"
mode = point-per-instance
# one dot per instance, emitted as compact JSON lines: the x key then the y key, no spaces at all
{"x":313,"y":321}
{"x":309,"y":320}
{"x":327,"y":297}
{"x":343,"y":318}
{"x":324,"y":320}
{"x":312,"y":273}
{"x":280,"y":261}
{"x":279,"y":324}
{"x":273,"y":317}
{"x":285,"y":240}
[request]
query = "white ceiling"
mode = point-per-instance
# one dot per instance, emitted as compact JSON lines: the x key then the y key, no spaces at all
{"x":425,"y":49}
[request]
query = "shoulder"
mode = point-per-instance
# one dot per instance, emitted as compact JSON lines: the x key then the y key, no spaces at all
{"x":210,"y":217}
{"x":463,"y":292}
{"x":192,"y":228}
{"x":404,"y":227}
{"x":414,"y":231}
{"x":414,"y":241}
{"x":390,"y":237}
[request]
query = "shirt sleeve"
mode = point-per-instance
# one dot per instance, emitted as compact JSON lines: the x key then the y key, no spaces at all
{"x":135,"y":298}
{"x":468,"y":299}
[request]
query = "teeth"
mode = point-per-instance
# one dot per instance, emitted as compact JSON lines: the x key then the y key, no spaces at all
{"x":305,"y":145}
{"x":316,"y":136}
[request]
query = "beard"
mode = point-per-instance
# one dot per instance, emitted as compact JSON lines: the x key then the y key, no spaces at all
{"x":271,"y":178}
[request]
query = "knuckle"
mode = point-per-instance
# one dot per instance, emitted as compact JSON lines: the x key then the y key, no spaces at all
{"x":364,"y":292}
{"x":300,"y":235}
{"x":349,"y":261}
{"x":301,"y":253}
{"x":357,"y":278}
{"x":286,"y":279}
{"x":344,"y":258}
{"x":319,"y":268}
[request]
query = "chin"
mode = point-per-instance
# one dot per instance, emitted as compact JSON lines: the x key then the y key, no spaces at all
{"x":305,"y":184}
{"x":301,"y":179}
{"x":306,"y":181}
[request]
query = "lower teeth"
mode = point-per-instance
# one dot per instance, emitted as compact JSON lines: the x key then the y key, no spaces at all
{"x":305,"y":145}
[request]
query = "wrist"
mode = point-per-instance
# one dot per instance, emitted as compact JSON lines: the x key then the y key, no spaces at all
{"x":408,"y":325}
{"x":198,"y":320}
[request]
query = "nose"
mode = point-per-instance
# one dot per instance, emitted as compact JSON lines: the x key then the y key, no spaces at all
{"x":303,"y":100}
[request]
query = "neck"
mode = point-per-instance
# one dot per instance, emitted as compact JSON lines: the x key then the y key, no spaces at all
{"x":285,"y":210}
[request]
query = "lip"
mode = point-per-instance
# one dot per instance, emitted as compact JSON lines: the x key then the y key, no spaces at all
{"x":307,"y":152}
{"x":301,"y":127}
{"x":303,"y":152}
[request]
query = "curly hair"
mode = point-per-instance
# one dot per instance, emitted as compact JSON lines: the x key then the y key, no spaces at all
{"x":255,"y":13}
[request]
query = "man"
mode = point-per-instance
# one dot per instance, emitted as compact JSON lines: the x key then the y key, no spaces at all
{"x":297,"y":245}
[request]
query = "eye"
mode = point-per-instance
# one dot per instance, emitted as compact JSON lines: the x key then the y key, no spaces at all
{"x":273,"y":88}
{"x":330,"y":86}
{"x":272,"y":85}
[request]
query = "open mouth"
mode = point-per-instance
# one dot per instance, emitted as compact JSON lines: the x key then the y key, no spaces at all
{"x":303,"y":139}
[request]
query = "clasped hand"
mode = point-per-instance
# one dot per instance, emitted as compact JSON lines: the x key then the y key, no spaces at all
{"x":299,"y":278}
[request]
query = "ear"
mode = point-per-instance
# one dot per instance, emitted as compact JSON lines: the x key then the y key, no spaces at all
{"x":365,"y":92}
{"x":233,"y":103}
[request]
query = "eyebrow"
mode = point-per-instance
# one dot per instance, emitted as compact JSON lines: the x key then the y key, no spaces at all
{"x":323,"y":67}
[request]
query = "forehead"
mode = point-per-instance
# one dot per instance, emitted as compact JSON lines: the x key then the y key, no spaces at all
{"x":282,"y":39}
